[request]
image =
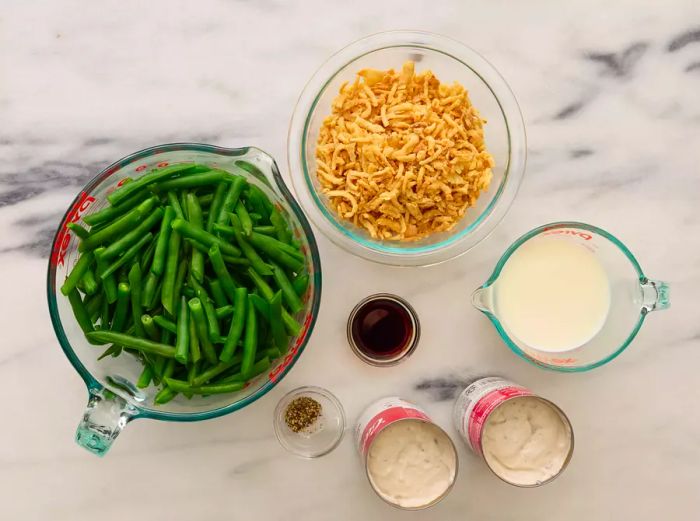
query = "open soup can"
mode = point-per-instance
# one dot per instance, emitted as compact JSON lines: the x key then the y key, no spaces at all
{"x":410,"y":462}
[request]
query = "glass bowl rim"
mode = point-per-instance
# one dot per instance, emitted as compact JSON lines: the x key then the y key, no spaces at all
{"x":90,"y":381}
{"x":336,"y":230}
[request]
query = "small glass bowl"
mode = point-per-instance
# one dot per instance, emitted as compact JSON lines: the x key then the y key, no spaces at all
{"x":322,"y":436}
{"x":450,"y":61}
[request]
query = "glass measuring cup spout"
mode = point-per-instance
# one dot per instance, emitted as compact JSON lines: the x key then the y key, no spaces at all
{"x":113,"y":396}
{"x":629,"y":297}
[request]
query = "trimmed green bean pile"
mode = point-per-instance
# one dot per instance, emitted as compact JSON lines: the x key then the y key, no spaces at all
{"x":193,"y":271}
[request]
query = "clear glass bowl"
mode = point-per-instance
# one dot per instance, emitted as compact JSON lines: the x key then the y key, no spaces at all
{"x":113,"y":398}
{"x":450,"y":61}
{"x":321,"y":437}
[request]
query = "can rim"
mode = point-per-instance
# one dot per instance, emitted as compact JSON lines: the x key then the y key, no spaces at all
{"x":411,"y":345}
{"x":569,"y":455}
{"x":444,"y":493}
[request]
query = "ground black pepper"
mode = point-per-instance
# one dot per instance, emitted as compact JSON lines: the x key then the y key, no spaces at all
{"x":301,"y":413}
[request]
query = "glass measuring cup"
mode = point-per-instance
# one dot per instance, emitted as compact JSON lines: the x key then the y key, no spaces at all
{"x":113,"y":398}
{"x":632,"y":297}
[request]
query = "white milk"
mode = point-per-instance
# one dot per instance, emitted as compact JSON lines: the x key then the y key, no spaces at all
{"x":552,"y":295}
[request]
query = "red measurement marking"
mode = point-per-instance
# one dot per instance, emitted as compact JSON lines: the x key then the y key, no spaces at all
{"x":60,"y":246}
{"x":141,"y":168}
{"x":162,"y":164}
{"x":121,"y":182}
{"x":567,"y":231}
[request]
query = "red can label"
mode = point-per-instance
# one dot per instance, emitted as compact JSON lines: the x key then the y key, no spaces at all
{"x":379,"y":416}
{"x":477,"y":402}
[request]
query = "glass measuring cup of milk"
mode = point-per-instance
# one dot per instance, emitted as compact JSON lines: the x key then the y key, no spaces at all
{"x":569,"y":296}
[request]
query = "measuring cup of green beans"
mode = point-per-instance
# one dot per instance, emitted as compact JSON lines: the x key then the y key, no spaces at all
{"x":183,"y":284}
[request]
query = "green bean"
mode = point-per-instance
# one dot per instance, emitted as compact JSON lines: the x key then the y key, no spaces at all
{"x":113,"y":350}
{"x":206,"y":200}
{"x":188,"y":292}
{"x":123,"y":192}
{"x":217,"y":292}
{"x":110,"y":213}
{"x":166,"y":324}
{"x":145,"y":377}
{"x":119,"y":227}
{"x":197,"y":260}
{"x":150,"y":288}
{"x":182,"y":344}
{"x":255,"y":261}
{"x":121,"y":309}
{"x":279,"y":335}
{"x":175,"y":204}
{"x":79,"y":231}
{"x":250,"y":340}
{"x":240,"y":303}
{"x":184,"y":387}
{"x":192,"y":181}
{"x":244,"y":218}
{"x":214,"y":371}
{"x":180,"y":280}
{"x":290,"y":324}
{"x":200,"y":323}
{"x":164,"y":396}
{"x":209,"y":310}
{"x":290,"y":296}
{"x":267,"y":243}
{"x":281,"y":227}
{"x":217,"y":263}
{"x":169,"y":369}
{"x":236,"y":261}
{"x":301,"y":284}
{"x":167,"y":292}
{"x":93,"y":305}
{"x":136,"y":309}
{"x":195,"y":351}
{"x":192,"y":371}
{"x":161,"y":249}
{"x":132,"y":237}
{"x":215,"y":208}
{"x":255,"y":217}
{"x":258,"y":201}
{"x":259,"y":367}
{"x":147,"y":255}
{"x":126,"y":257}
{"x":272,"y":353}
{"x":149,"y":327}
{"x":183,"y":204}
{"x":89,"y":282}
{"x":132,"y":342}
{"x":109,"y":283}
{"x":166,"y":337}
{"x":81,"y":266}
{"x":79,"y":310}
{"x":263,"y":287}
{"x":224,"y":311}
{"x":262,"y":305}
{"x":232,"y":195}
{"x":265,"y":230}
{"x":187,"y":230}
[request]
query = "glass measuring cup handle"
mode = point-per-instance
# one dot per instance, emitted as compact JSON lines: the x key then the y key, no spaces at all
{"x":105,"y":416}
{"x":655,"y":295}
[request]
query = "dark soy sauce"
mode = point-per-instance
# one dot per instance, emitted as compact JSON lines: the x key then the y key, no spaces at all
{"x":382,"y":328}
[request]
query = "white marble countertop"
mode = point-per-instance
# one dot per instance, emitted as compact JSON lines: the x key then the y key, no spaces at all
{"x":609,"y":92}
